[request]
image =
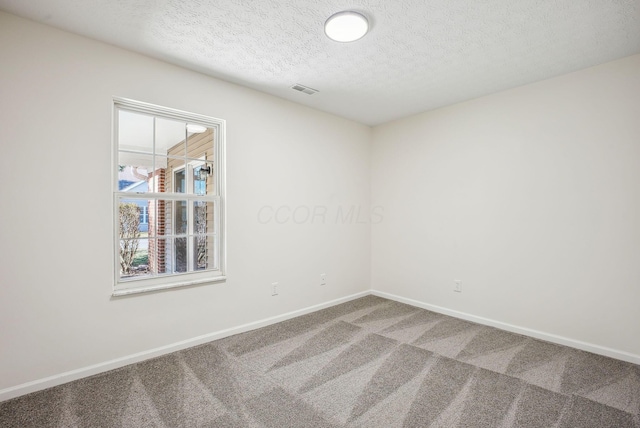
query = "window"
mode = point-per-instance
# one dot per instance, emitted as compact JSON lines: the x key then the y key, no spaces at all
{"x":168,"y":198}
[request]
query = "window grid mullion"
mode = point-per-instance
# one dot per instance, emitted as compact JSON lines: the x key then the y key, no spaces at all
{"x":167,"y":196}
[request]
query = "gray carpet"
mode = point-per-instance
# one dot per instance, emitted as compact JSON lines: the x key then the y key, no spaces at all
{"x":366,"y":363}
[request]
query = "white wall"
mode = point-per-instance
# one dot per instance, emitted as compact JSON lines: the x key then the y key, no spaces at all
{"x":530,"y":196}
{"x":56,"y":313}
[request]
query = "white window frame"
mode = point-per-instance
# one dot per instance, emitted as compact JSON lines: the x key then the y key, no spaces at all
{"x":178,"y":279}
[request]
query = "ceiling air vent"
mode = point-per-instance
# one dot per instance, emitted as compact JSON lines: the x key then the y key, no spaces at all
{"x":304,"y":89}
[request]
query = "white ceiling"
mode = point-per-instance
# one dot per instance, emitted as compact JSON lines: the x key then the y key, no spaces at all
{"x":419,"y":55}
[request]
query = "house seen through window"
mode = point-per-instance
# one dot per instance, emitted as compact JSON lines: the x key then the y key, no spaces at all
{"x":169,"y":194}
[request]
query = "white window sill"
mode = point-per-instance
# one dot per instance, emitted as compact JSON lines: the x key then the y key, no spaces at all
{"x":158,"y":287}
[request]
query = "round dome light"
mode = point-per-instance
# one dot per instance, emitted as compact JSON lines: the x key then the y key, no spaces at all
{"x":346,"y":26}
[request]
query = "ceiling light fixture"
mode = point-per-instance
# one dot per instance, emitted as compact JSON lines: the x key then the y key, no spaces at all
{"x":347,"y":26}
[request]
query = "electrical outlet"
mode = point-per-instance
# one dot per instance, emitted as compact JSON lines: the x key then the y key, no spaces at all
{"x":457,"y":287}
{"x":274,"y":288}
{"x":323,"y":279}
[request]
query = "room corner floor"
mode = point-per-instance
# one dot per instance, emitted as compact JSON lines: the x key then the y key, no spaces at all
{"x":368,"y":363}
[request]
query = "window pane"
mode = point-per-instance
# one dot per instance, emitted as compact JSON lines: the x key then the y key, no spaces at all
{"x":135,"y":131}
{"x":144,"y":216}
{"x":158,"y":177}
{"x":134,"y":257}
{"x":129,"y":219}
{"x":140,"y":263}
{"x":175,"y":177}
{"x":135,"y":215}
{"x":164,"y":214}
{"x":203,"y":252}
{"x":203,"y":178}
{"x":180,"y":218}
{"x":158,"y":251}
{"x":200,"y":145}
{"x":179,"y":182}
{"x":203,"y":216}
{"x":134,"y":171}
{"x":170,"y":137}
{"x":180,"y":255}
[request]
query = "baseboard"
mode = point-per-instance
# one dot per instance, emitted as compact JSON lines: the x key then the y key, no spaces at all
{"x":62,"y":378}
{"x":560,"y":340}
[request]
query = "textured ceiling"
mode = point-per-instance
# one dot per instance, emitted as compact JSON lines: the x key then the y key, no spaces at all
{"x":419,"y":55}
